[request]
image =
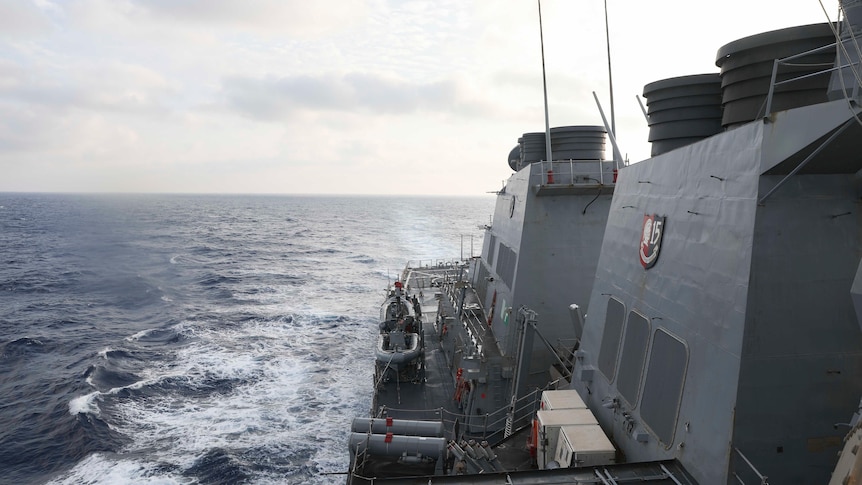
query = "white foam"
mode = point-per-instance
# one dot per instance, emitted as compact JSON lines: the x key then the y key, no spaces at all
{"x":178,"y":328}
{"x":292,"y":386}
{"x":98,"y":469}
{"x":85,"y":404}
{"x":183,"y":258}
{"x":139,"y":335}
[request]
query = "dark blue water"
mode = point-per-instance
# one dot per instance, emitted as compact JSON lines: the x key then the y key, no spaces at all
{"x":198,"y":339}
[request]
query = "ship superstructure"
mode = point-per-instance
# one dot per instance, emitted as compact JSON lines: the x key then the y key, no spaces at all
{"x":697,"y":307}
{"x":741,"y":340}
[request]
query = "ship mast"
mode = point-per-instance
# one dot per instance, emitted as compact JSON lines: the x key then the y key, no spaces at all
{"x":613,"y":127}
{"x":610,"y":74}
{"x":545,"y":87}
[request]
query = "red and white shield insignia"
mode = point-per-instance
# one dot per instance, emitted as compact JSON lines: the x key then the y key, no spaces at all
{"x":651,"y":232}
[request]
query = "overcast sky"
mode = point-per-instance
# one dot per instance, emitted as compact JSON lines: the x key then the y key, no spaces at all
{"x":330,"y":96}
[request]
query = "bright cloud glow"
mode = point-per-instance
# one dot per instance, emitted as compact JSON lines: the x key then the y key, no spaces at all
{"x":369,"y":96}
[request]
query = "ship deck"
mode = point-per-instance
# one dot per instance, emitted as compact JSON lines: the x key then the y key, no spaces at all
{"x":432,"y":399}
{"x":654,"y":473}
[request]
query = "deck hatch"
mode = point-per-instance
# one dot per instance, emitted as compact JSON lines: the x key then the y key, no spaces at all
{"x":611,"y":338}
{"x":632,"y":356}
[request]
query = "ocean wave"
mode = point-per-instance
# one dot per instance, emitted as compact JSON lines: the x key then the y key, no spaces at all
{"x":111,"y":353}
{"x":165,"y":345}
{"x":156,"y":335}
{"x":109,"y":378}
{"x":105,"y":469}
{"x":24,"y":346}
{"x":187,"y":259}
{"x":362,"y":259}
{"x":236,"y":388}
{"x":85,"y":404}
{"x":25,"y":342}
{"x":219,"y":466}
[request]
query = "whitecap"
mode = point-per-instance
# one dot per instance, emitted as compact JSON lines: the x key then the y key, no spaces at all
{"x":277,"y":399}
{"x":85,"y":404}
{"x":98,"y":469}
{"x":140,"y":335}
{"x":280,"y":400}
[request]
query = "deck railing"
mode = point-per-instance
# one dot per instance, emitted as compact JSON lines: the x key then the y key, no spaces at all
{"x":572,"y":172}
{"x":788,"y":61}
{"x":492,"y":427}
{"x":749,"y":470}
{"x":428,"y":273}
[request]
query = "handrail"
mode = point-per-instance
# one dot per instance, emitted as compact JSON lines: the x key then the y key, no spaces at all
{"x":773,"y":83}
{"x":568,"y":346}
{"x":841,"y":39}
{"x":434,"y":263}
{"x":785,"y":61}
{"x":562,"y":172}
{"x":763,"y":479}
{"x":525,"y":406}
{"x":818,"y":73}
{"x":809,"y":52}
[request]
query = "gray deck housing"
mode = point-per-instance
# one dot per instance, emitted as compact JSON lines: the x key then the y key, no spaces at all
{"x":553,"y":234}
{"x":756,"y":291}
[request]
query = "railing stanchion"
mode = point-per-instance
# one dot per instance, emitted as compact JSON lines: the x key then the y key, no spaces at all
{"x":771,"y":88}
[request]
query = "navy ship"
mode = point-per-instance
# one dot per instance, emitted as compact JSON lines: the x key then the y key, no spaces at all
{"x":691,"y":318}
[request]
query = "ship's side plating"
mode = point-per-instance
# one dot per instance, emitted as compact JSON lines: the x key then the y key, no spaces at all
{"x":800,"y":323}
{"x":741,"y":340}
{"x":706,"y":238}
{"x":541,"y":249}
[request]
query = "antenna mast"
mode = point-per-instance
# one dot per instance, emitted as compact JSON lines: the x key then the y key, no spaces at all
{"x":610,"y":75}
{"x":545,"y":86}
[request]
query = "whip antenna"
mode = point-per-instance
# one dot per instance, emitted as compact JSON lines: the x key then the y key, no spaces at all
{"x":610,"y":75}
{"x":545,"y":86}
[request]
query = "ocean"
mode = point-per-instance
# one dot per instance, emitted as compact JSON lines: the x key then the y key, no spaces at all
{"x":199,"y":339}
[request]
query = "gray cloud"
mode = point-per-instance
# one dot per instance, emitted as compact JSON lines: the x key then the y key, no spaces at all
{"x":19,"y":19}
{"x":45,"y":107}
{"x":277,"y":98}
{"x":24,"y":129}
{"x":299,"y":18}
{"x":111,"y":87}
